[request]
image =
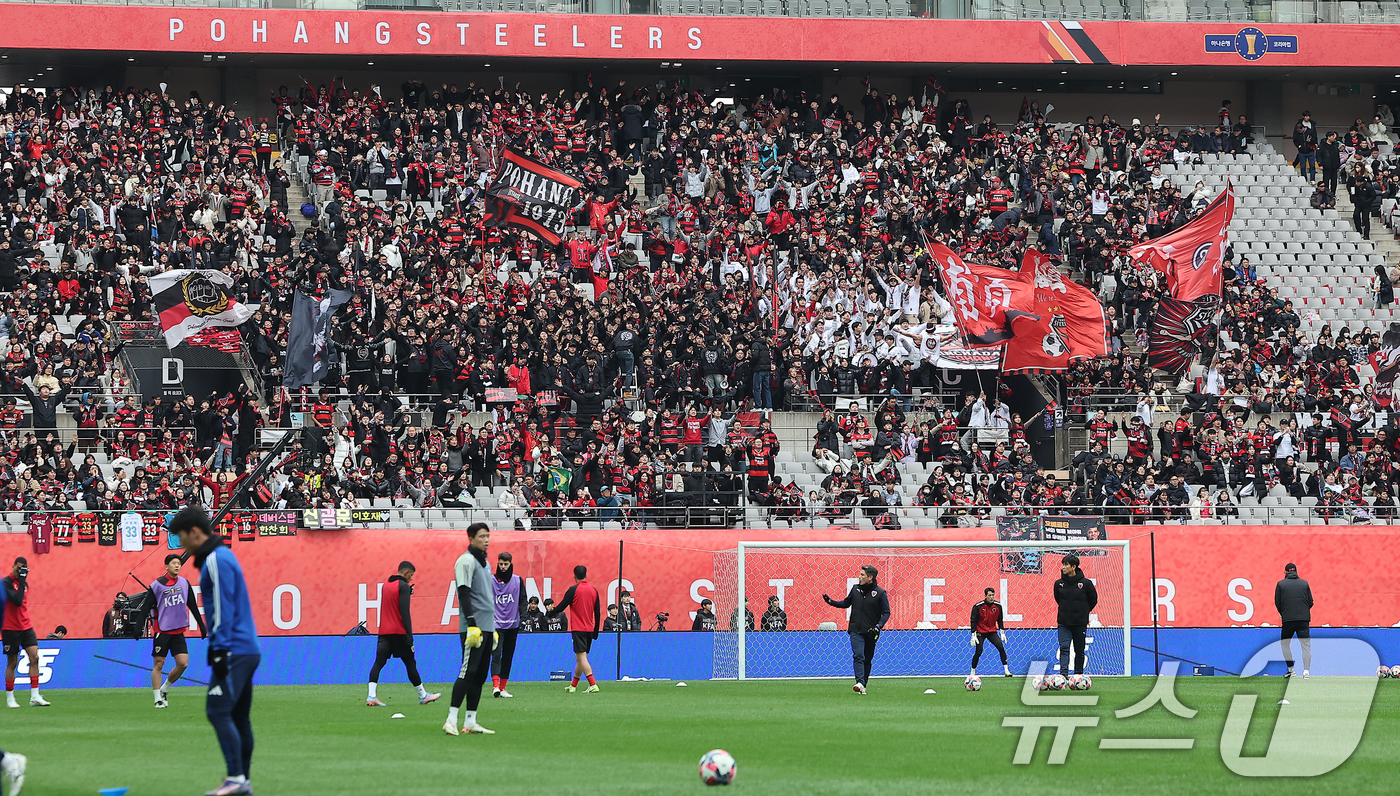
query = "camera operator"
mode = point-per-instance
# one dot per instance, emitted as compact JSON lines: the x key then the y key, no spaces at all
{"x":628,"y":615}
{"x":18,"y":634}
{"x":705,"y":617}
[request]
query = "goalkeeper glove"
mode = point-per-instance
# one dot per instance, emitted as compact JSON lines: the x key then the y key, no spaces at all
{"x":1002,"y":633}
{"x":495,"y":639}
{"x":473,"y":637}
{"x":973,"y":638}
{"x":875,"y":633}
{"x":218,"y":661}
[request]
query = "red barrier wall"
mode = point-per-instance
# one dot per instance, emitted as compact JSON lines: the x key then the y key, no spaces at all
{"x":1209,"y":577}
{"x":370,"y":33}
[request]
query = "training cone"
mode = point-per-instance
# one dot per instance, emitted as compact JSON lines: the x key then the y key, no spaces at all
{"x":396,"y":716}
{"x":1284,"y":702}
{"x":681,"y":685}
{"x":113,"y":791}
{"x":930,"y":691}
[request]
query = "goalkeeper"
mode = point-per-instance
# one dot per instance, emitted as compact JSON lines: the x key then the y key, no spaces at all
{"x":987,"y":625}
{"x":476,"y":611}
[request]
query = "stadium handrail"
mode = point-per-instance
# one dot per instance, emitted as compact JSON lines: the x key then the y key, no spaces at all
{"x":663,"y":518}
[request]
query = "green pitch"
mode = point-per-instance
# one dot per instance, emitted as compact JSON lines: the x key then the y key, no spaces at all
{"x":805,"y":737}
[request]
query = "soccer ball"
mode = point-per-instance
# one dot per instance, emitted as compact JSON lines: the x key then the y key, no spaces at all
{"x":1383,"y":672}
{"x":1057,"y":683}
{"x":1040,"y":683}
{"x":973,"y":683}
{"x":1395,"y":671}
{"x":717,"y":767}
{"x":1080,"y":682}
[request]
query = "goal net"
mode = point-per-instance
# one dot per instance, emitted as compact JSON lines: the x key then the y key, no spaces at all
{"x":932,"y":587}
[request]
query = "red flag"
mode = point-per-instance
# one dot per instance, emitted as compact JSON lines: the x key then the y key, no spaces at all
{"x":1192,"y":257}
{"x":982,"y":296}
{"x":1386,"y":361}
{"x":1063,"y":323}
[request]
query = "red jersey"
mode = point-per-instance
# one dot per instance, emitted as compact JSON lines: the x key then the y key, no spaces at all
{"x":584,"y":607}
{"x":986,"y":617}
{"x":17,"y":616}
{"x":392,"y":603}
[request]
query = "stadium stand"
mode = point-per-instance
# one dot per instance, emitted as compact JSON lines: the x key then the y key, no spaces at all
{"x":662,"y":302}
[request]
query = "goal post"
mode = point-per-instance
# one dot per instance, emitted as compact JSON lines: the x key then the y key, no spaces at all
{"x":932,"y":587}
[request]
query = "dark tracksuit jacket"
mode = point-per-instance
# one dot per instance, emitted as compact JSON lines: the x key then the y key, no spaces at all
{"x":870,"y":607}
{"x":1076,"y":597}
{"x":1293,"y":599}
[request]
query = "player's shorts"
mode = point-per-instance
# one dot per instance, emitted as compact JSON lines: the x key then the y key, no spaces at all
{"x":583,"y":642}
{"x":1298,"y":627}
{"x":169,"y":644}
{"x":395,"y":645}
{"x":16,"y":640}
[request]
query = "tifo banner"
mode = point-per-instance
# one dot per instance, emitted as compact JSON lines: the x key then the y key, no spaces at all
{"x":136,"y":29}
{"x":1207,"y":576}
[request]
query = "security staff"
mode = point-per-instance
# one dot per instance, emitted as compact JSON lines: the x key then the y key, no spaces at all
{"x":870,"y":610}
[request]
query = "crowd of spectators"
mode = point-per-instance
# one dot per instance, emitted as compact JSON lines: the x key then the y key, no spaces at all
{"x":728,"y":260}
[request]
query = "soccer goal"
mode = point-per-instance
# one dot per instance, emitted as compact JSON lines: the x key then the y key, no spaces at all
{"x":932,"y":587}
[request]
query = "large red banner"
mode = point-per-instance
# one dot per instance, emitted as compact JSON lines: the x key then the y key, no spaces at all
{"x":135,"y":29}
{"x":324,"y":582}
{"x":1064,"y":323}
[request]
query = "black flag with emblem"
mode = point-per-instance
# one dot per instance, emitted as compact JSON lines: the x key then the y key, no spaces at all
{"x":308,"y":337}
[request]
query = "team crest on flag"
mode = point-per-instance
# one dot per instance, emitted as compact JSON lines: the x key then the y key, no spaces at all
{"x":202,"y":296}
{"x":190,"y":301}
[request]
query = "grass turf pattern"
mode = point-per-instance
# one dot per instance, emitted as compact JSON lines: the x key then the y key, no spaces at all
{"x":789,"y":737}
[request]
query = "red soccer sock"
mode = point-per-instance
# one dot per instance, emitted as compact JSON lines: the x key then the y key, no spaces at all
{"x":34,"y":681}
{"x":574,"y":684}
{"x":496,"y":682}
{"x":9,"y":683}
{"x":503,"y":683}
{"x":590,"y":680}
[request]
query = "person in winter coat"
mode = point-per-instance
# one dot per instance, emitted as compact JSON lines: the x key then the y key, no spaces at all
{"x":870,"y":610}
{"x":1076,"y":597}
{"x":1294,"y":601}
{"x":775,"y":618}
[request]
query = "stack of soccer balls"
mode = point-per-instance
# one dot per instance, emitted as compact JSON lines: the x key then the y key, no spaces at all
{"x":717,"y":767}
{"x":1080,"y":682}
{"x":1052,"y":682}
{"x":1385,"y":672}
{"x":973,"y":683}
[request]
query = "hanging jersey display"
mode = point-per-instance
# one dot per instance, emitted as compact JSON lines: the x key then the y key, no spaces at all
{"x":63,"y":529}
{"x":131,"y":531}
{"x":152,"y":526}
{"x":86,"y":523}
{"x":41,"y":532}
